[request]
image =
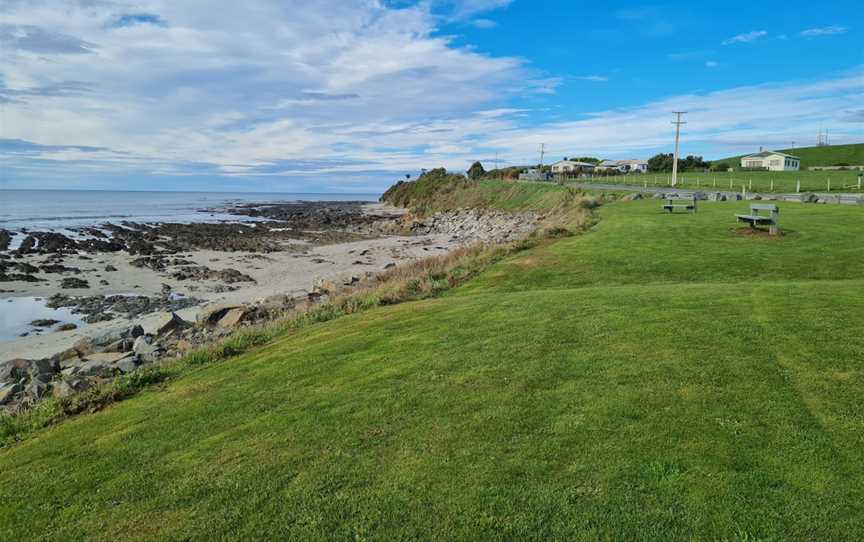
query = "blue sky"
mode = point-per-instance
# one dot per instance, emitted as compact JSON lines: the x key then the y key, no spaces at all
{"x":347,"y":96}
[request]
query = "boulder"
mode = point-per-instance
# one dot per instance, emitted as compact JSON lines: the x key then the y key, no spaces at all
{"x":809,"y":197}
{"x":37,"y":389}
{"x":211,"y":315}
{"x":278,"y":301}
{"x":69,"y":386}
{"x":83,"y":346}
{"x":44,"y":367}
{"x":66,"y":327}
{"x":170,"y":323}
{"x":66,"y":356}
{"x":146,"y":350}
{"x":184,"y":346}
{"x":136,"y":331}
{"x":632,"y":197}
{"x":14,"y":370}
{"x":659,"y":195}
{"x":232,"y":318}
{"x":700,"y":196}
{"x":8,"y":391}
{"x":127,"y":365}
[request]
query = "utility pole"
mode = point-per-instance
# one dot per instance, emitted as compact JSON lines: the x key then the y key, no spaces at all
{"x":677,"y":122}
{"x":497,"y":173}
{"x":542,"y":154}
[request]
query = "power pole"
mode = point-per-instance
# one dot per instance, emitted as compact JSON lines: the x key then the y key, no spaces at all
{"x":497,"y":173}
{"x":677,"y":122}
{"x":542,"y":154}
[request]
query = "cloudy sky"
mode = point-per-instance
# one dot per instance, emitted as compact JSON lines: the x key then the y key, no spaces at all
{"x":347,"y":95}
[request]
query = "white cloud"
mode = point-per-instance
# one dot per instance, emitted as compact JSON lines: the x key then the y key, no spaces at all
{"x":593,"y":78}
{"x":823,"y":31}
{"x":484,"y":23}
{"x":746,"y":38}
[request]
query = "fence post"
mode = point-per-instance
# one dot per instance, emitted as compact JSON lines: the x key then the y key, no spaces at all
{"x":744,"y":191}
{"x":798,"y":187}
{"x":829,"y":184}
{"x":772,"y":185}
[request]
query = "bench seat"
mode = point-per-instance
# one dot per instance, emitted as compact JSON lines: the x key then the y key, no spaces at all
{"x":755,"y":218}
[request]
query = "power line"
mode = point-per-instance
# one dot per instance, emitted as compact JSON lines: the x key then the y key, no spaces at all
{"x":677,"y":122}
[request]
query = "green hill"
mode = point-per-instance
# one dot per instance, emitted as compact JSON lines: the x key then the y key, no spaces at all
{"x":662,"y":377}
{"x":832,"y":155}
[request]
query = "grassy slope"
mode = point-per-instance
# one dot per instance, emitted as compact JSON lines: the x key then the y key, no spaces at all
{"x":657,"y":378}
{"x":852,"y":154}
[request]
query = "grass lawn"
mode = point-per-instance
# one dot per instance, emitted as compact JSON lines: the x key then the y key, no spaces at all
{"x":762,"y":181}
{"x":661,"y":377}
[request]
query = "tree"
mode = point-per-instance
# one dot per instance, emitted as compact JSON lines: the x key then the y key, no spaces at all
{"x":476,"y":171}
{"x":661,"y":162}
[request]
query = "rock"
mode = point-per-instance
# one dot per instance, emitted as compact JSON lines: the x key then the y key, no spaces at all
{"x":136,"y":331}
{"x":809,"y":197}
{"x":36,"y":389}
{"x":110,"y":269}
{"x":66,"y":356}
{"x":66,"y":327}
{"x":232,"y":318}
{"x":123,"y":345}
{"x":170,"y":323}
{"x":73,"y":283}
{"x":69,"y":386}
{"x":44,"y":322}
{"x":717,"y":196}
{"x":146,"y":350}
{"x":700,"y":196}
{"x":635,"y":196}
{"x":659,"y":195}
{"x":127,"y":365}
{"x":278,"y":301}
{"x":14,"y":370}
{"x":390,"y":265}
{"x":8,"y":391}
{"x":84,"y":346}
{"x":211,"y":314}
{"x":44,"y":367}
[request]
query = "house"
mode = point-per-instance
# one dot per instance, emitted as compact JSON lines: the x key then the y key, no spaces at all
{"x":624,"y":166}
{"x":772,"y":161}
{"x":571,"y":166}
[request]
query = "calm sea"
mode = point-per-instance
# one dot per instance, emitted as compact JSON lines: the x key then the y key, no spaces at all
{"x":57,"y":210}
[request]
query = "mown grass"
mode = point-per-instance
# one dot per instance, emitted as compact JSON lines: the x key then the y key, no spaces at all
{"x":753,"y":181}
{"x":660,"y":378}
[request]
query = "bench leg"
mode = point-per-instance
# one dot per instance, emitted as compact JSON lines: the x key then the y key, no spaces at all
{"x":772,"y":229}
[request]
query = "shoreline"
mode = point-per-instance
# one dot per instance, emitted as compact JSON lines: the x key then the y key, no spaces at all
{"x":156,"y":273}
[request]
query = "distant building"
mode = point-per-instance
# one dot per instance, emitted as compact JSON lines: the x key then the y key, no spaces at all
{"x":624,"y":166}
{"x":534,"y":174}
{"x":571,"y":166}
{"x":772,"y":161}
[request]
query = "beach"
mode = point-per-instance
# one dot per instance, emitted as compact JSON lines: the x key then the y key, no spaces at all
{"x":103,"y":278}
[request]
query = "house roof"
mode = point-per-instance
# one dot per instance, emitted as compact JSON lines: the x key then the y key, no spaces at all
{"x":766,"y":154}
{"x":572,"y":163}
{"x":615,"y":163}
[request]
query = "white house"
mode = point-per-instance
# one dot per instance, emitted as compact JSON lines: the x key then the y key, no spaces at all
{"x":624,"y":166}
{"x":772,"y":161}
{"x":570,"y":166}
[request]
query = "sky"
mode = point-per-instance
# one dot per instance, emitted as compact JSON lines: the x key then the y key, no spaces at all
{"x":349,"y":96}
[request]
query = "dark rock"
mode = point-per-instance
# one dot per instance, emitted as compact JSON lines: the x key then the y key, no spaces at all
{"x":66,"y":327}
{"x":73,"y":283}
{"x":110,"y":268}
{"x":44,"y":322}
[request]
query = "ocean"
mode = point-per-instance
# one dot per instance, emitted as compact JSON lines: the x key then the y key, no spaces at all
{"x":57,"y":210}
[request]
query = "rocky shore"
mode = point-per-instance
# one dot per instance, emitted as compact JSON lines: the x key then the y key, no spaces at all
{"x":141,"y":293}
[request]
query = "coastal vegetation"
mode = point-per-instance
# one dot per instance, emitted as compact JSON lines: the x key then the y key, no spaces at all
{"x":656,"y":377}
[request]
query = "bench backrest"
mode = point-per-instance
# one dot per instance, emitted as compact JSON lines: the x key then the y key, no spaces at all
{"x":756,"y":207}
{"x":689,"y":200}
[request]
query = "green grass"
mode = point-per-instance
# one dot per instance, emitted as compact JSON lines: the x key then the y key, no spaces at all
{"x":753,"y":181}
{"x":661,"y":377}
{"x":831,"y":155}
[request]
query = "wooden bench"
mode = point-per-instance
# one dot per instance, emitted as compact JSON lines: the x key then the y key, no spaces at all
{"x":771,"y":219}
{"x":687,"y":204}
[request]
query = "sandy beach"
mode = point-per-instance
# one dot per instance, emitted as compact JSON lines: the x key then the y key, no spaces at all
{"x":293,"y":272}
